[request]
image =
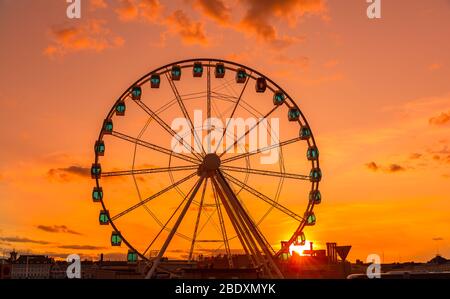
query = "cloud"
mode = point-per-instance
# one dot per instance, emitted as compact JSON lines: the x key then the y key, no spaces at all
{"x":57,"y":229}
{"x":392,"y":168}
{"x":436,"y":157}
{"x":372,"y":166}
{"x":148,"y":10}
{"x":214,"y":9}
{"x":441,"y":119}
{"x":67,"y":173}
{"x":189,"y":31}
{"x":260,"y":14}
{"x":22,"y":240}
{"x":438,"y":239}
{"x":395,"y":168}
{"x":81,"y":247}
{"x":91,"y":36}
{"x":127,"y":11}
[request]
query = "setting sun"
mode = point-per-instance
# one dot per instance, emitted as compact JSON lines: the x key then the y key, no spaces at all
{"x":299,"y":249}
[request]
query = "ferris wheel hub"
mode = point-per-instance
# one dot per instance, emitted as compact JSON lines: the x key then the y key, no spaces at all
{"x":211,"y":163}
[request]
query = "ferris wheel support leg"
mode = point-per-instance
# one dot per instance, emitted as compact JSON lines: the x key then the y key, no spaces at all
{"x":253,"y":230}
{"x":157,"y":260}
{"x":243,"y":238}
{"x":224,"y":231}
{"x":250,"y":238}
{"x":197,"y":222}
{"x":246,"y":237}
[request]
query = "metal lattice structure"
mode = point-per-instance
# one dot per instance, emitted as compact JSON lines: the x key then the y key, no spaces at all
{"x":212,"y":182}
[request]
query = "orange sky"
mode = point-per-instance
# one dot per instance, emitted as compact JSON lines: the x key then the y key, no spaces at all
{"x":375,"y":92}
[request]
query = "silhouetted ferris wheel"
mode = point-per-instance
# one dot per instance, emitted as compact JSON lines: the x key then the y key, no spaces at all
{"x":190,"y":161}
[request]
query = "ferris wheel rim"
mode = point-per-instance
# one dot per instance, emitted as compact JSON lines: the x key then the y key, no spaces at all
{"x":164,"y":69}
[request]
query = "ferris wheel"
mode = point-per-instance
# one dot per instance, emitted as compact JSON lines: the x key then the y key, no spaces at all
{"x":206,"y":157}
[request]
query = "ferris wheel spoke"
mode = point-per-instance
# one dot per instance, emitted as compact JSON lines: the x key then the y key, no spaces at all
{"x":208,"y":105}
{"x":249,"y":130}
{"x":167,"y":128}
{"x":217,"y":110}
{"x":263,"y":197}
{"x":174,"y":228}
{"x":185,"y":113}
{"x":231,"y":108}
{"x":249,"y":110}
{"x":208,"y":92}
{"x":223,"y":85}
{"x":260,"y":150}
{"x":159,"y":193}
{"x":148,"y":170}
{"x":266,"y":172}
{"x":233,"y":99}
{"x":248,"y":107}
{"x":233,"y":111}
{"x":155,"y":147}
{"x":207,"y":221}
{"x":222,"y":97}
{"x":165,"y":226}
{"x":185,"y":97}
{"x":153,"y":214}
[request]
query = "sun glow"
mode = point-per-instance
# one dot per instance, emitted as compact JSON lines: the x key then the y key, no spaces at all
{"x":300,"y":248}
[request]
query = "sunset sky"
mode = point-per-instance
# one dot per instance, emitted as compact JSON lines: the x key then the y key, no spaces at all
{"x":376,"y":93}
